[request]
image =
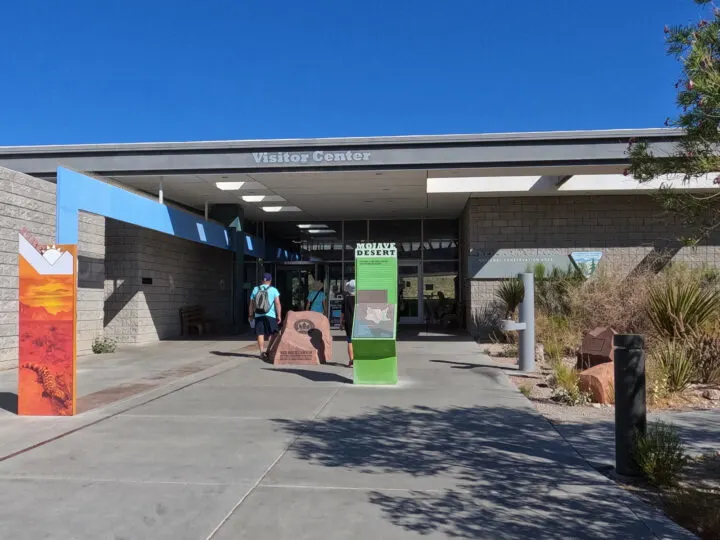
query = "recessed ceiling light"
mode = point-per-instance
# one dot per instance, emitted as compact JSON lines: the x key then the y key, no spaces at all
{"x":281,"y":209}
{"x":253,"y":198}
{"x":229,"y":186}
{"x":320,"y":231}
{"x":312,"y":226}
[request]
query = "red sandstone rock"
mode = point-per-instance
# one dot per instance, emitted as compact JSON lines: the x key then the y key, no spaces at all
{"x":304,"y":339}
{"x":599,"y":382}
{"x":596,"y":348}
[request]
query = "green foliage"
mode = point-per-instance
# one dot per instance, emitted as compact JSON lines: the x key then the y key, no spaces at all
{"x":675,"y":363}
{"x":660,"y":454}
{"x":553,"y":288}
{"x":565,"y":382}
{"x":679,"y":310}
{"x":556,"y":334}
{"x":511,"y":293}
{"x":695,"y":46}
{"x":102,"y":345}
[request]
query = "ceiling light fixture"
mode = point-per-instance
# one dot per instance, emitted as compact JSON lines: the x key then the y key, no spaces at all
{"x":320,"y":231}
{"x":281,"y":209}
{"x":312,"y":226}
{"x":229,"y":186}
{"x":253,"y":198}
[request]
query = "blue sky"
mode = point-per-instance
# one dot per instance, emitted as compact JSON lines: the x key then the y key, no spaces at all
{"x":81,"y":71}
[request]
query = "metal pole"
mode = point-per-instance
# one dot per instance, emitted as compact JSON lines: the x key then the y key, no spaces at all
{"x":527,"y":315}
{"x":160,"y":193}
{"x":630,"y":406}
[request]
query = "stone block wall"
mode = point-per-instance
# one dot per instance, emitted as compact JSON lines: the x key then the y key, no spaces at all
{"x":626,"y":228}
{"x":29,"y":202}
{"x":183,"y":273}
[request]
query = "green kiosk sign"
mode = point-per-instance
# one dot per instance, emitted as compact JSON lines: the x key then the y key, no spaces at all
{"x":375,"y":323}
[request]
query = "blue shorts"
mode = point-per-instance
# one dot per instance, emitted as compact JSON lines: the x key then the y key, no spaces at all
{"x":266,"y":326}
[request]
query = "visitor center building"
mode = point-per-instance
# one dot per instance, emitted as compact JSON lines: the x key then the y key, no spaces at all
{"x":161,"y":226}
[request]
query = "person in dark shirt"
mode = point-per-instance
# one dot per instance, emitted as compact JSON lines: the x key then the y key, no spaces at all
{"x":348,"y":315}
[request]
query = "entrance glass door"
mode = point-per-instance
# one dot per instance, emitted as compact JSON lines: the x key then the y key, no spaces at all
{"x":410,"y":308}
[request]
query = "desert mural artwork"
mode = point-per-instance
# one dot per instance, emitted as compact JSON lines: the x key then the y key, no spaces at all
{"x":47,"y":320}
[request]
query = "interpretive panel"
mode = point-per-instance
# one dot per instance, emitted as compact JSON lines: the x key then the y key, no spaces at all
{"x":375,"y":322}
{"x":47,"y":323}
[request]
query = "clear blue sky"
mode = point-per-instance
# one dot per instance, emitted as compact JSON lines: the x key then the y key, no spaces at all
{"x":82,"y":71}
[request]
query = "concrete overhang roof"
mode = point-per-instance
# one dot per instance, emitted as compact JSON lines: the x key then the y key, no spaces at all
{"x":343,"y":178}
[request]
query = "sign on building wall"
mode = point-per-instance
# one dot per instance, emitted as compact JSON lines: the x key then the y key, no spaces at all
{"x":375,"y":322}
{"x":586,"y":261}
{"x":47,"y":328}
{"x":507,"y":263}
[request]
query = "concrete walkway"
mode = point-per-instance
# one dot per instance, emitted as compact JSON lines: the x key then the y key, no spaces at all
{"x":243,"y":450}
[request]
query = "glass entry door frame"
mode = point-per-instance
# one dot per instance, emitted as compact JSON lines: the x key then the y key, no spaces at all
{"x":296,"y":281}
{"x":410,"y":292}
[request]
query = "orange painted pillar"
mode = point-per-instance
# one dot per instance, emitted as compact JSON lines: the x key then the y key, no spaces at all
{"x":47,"y":328}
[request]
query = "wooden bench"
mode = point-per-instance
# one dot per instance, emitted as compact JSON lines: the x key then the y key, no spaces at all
{"x":193,"y":317}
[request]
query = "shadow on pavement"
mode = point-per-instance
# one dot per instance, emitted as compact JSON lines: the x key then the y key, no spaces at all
{"x":595,"y":439}
{"x":234,"y":354}
{"x":9,"y":402}
{"x":468,"y":365}
{"x":315,"y":376}
{"x":502,"y":472}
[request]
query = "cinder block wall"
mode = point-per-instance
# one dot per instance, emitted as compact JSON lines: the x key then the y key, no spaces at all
{"x":26,"y":201}
{"x":626,"y":228}
{"x":183,"y":273}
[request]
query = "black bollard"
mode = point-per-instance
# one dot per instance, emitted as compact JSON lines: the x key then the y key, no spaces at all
{"x":630,"y":407}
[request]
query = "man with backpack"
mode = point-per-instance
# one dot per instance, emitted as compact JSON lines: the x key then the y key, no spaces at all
{"x":266,"y":312}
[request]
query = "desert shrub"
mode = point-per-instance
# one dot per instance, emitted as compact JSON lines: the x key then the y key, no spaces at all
{"x":680,"y":309}
{"x":553,"y":289}
{"x":510,"y":350}
{"x":674,"y":361}
{"x":566,"y":388}
{"x":696,"y":510}
{"x":486,"y":322}
{"x":557,"y":334}
{"x":102,"y":345}
{"x":657,"y":384}
{"x":706,"y":355}
{"x":611,"y":298}
{"x":510,"y":293}
{"x":525,"y":390}
{"x":660,"y":454}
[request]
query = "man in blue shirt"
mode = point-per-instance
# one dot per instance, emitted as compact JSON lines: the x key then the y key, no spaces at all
{"x":266,"y":311}
{"x":316,"y":300}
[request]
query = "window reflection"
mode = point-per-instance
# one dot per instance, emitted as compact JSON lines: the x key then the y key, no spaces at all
{"x":355,"y":232}
{"x":406,"y":233}
{"x":440,"y":239}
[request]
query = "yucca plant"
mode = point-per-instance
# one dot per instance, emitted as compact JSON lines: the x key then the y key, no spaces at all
{"x":511,"y":293}
{"x":680,"y":310}
{"x":676,"y":362}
